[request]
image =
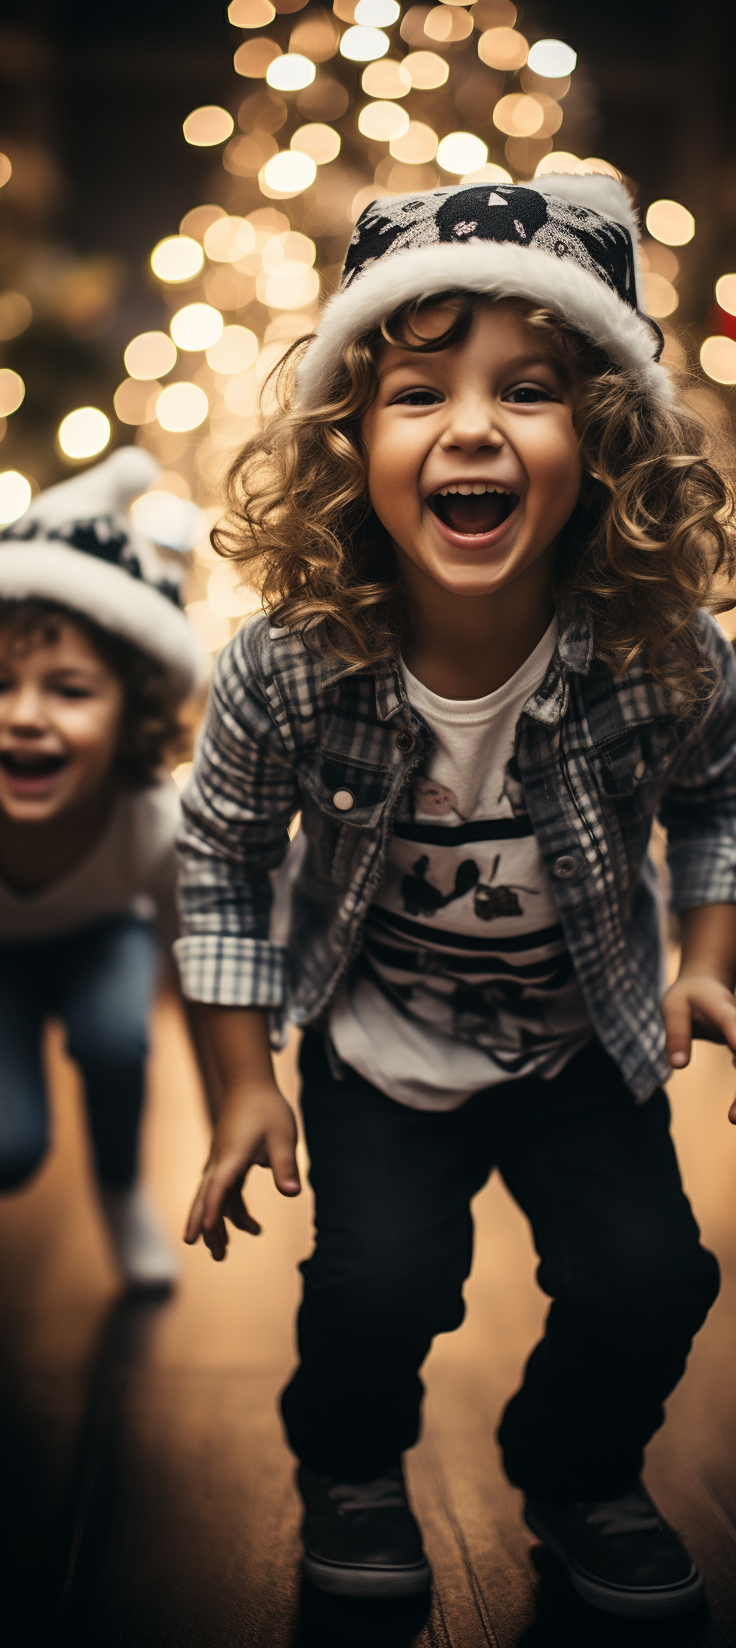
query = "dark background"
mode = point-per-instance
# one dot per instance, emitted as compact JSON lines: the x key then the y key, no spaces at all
{"x":98,"y":94}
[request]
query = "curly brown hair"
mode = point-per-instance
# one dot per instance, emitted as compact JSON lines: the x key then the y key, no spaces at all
{"x":150,"y":729}
{"x":653,"y":537}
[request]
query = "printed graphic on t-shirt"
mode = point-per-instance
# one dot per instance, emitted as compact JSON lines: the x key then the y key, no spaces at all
{"x":465,"y":936}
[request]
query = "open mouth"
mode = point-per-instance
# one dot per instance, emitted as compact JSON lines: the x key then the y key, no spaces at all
{"x":31,"y":766}
{"x":474,"y":509}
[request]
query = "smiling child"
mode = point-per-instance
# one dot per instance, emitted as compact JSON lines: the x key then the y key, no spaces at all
{"x":485,"y":532}
{"x":94,"y":660}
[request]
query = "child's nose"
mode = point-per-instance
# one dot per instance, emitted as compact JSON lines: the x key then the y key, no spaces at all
{"x":472,"y":424}
{"x":26,"y":709}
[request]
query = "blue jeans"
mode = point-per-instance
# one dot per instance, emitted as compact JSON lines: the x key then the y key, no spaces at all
{"x":100,"y":981}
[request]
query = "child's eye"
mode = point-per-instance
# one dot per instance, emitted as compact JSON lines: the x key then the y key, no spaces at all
{"x":528,"y":394}
{"x":68,"y":689}
{"x":417,"y":397}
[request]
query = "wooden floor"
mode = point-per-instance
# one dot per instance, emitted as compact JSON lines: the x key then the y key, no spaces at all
{"x":147,"y":1497}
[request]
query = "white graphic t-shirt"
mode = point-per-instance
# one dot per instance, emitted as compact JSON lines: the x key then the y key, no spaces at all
{"x":464,"y":979}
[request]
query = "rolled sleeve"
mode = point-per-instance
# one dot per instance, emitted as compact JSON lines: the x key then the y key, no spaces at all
{"x":231,"y":972}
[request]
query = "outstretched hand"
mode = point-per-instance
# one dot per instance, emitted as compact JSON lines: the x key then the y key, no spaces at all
{"x":698,"y":1005}
{"x":256,"y":1127}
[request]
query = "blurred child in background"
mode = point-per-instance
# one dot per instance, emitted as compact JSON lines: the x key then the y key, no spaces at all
{"x":95,"y":659}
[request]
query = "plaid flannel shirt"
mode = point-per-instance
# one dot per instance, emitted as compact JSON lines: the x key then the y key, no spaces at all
{"x":275,"y":924}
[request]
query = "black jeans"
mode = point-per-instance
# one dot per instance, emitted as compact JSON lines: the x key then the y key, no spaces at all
{"x":597,"y":1177}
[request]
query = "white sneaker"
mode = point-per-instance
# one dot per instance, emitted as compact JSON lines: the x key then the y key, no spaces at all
{"x":143,"y":1253}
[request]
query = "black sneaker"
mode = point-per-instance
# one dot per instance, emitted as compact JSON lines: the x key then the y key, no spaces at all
{"x":620,"y":1555}
{"x":360,"y":1538}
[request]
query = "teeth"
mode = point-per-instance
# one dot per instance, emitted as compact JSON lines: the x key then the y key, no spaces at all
{"x":477,"y":488}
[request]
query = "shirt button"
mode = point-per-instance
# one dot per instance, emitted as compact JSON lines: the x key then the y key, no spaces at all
{"x":343,"y":800}
{"x":640,"y":769}
{"x":405,"y":741}
{"x":566,"y":867}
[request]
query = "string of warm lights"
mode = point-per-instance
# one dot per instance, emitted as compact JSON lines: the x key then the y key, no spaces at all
{"x":340,"y":107}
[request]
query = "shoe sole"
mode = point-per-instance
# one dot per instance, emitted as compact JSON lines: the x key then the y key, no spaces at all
{"x":663,"y":1602}
{"x":367,"y":1583}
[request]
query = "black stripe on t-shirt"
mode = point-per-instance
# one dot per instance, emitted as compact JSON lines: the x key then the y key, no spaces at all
{"x":557,"y":967}
{"x":457,"y":835}
{"x":390,"y":923}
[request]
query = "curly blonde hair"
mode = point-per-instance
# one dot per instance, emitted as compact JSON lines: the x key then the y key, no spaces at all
{"x":652,"y":539}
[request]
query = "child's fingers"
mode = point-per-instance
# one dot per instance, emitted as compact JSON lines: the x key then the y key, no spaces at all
{"x":193,"y":1228}
{"x":678,"y":1020}
{"x":732,"y":1113}
{"x":724,"y":1017}
{"x":216,"y":1240}
{"x":235,"y":1210}
{"x":282,"y":1158}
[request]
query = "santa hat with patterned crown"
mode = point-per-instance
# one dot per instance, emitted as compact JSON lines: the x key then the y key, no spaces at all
{"x":568,"y":242}
{"x":77,"y":545}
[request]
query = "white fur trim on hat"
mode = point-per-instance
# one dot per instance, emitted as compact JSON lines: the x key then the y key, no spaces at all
{"x":498,"y":269}
{"x":39,"y":560}
{"x":111,"y":597}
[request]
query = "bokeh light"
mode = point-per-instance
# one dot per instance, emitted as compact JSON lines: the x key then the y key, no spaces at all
{"x":255,"y":57}
{"x":503,"y":48}
{"x":518,"y":114}
{"x":181,"y":406}
{"x":447,"y":24}
{"x":552,"y":59}
{"x":321,"y":142}
{"x":382,"y":121}
{"x":377,"y":14}
{"x":228,"y":596}
{"x":426,"y":70}
{"x":84,"y":432}
{"x":670,"y":222}
{"x":12,"y":391}
{"x":196,"y":326}
{"x":235,"y":351}
{"x":250,"y":14}
{"x":150,"y":355}
{"x":660,"y":295}
{"x":199,"y":220}
{"x":135,"y":399}
{"x":228,"y":239}
{"x":462,"y":152}
{"x":177,"y":258}
{"x":490,"y":173}
{"x":718,"y":359}
{"x":290,"y":245}
{"x":387,"y":78}
{"x":204,"y":128}
{"x":15,"y":496}
{"x":562,"y":160}
{"x":211,"y":628}
{"x":416,"y":145}
{"x":726,"y":293}
{"x":289,"y":172}
{"x":361,"y":45}
{"x":6,"y":172}
{"x":290,"y":73}
{"x":15,"y":314}
{"x":290,"y":285}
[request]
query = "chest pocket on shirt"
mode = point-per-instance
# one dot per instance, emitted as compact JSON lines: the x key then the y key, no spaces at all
{"x":346,"y":802}
{"x":349,"y":791}
{"x":627,"y":760}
